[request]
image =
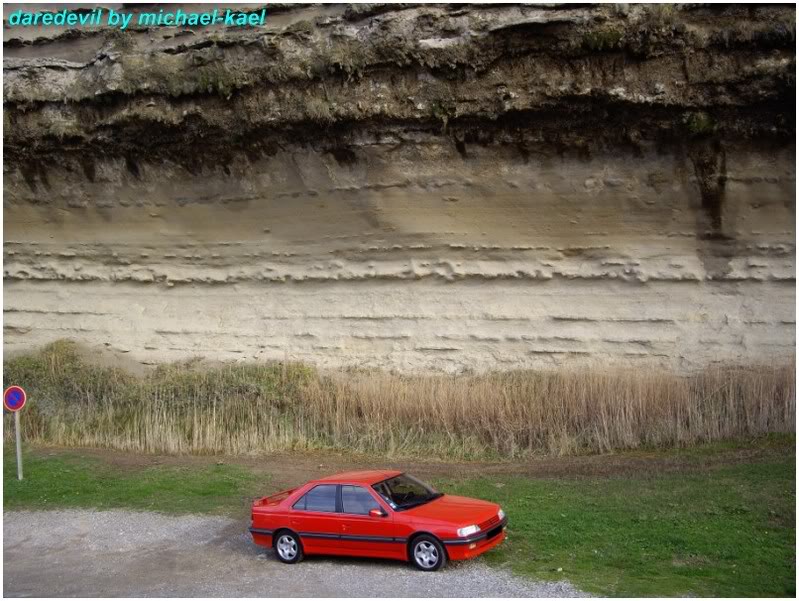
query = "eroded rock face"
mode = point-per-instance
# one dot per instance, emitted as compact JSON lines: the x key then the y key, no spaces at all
{"x":415,"y":188}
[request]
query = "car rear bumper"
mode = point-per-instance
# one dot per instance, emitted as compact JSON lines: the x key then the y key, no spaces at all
{"x":261,"y":537}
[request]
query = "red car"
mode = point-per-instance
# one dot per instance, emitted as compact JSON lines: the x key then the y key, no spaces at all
{"x":376,"y":514}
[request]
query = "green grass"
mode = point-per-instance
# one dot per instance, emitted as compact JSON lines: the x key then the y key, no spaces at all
{"x":73,"y":481}
{"x":727,"y":530}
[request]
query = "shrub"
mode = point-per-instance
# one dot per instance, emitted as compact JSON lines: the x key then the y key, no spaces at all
{"x":249,"y":409}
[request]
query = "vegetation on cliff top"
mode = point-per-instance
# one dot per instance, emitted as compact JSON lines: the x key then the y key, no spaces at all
{"x":255,"y":408}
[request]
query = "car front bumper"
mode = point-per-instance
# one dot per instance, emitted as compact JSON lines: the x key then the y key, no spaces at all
{"x":473,"y":546}
{"x":468,"y":551}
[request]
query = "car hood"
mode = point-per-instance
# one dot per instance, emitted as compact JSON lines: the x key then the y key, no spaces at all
{"x":452,"y":509}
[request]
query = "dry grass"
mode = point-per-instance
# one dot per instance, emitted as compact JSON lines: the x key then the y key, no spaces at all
{"x":243,"y":409}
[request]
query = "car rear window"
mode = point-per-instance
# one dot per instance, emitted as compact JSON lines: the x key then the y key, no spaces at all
{"x":319,"y":498}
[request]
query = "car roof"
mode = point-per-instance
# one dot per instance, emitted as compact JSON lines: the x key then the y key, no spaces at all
{"x":363,"y":477}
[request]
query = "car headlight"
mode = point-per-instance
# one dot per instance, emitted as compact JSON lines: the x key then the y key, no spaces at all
{"x":468,"y":530}
{"x":501,"y":515}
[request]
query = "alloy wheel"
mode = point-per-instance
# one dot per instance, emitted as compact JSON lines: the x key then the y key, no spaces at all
{"x":426,"y":554}
{"x":287,"y":547}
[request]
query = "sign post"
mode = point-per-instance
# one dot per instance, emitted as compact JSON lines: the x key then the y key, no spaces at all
{"x":14,"y":399}
{"x":19,"y":445}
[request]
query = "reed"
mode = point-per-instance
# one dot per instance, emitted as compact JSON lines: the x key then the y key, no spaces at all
{"x":260,"y":408}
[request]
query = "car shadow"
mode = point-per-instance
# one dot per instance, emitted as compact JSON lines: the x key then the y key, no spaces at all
{"x":339,"y":560}
{"x":240,"y":543}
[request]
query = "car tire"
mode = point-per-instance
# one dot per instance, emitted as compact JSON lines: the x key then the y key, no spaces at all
{"x":427,"y":553}
{"x":288,"y":546}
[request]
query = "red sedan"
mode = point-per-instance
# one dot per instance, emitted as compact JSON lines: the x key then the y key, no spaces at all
{"x":376,"y":514}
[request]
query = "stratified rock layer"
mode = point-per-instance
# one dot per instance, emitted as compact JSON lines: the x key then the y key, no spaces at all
{"x":414,"y":188}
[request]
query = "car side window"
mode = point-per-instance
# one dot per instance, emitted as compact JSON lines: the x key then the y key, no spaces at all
{"x":357,"y":500}
{"x":319,"y":498}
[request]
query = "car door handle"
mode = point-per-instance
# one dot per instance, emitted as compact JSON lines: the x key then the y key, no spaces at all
{"x":343,"y":527}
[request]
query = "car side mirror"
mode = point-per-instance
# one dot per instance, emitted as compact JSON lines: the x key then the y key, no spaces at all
{"x":377,"y":513}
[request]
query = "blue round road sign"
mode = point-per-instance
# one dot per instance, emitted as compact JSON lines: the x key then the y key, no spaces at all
{"x":14,"y":398}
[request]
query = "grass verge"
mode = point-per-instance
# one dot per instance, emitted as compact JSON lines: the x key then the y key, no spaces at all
{"x":727,"y":533}
{"x":72,"y":481}
{"x":725,"y":530}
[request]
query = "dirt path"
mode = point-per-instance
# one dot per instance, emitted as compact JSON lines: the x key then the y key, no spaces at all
{"x":124,"y":553}
{"x":291,"y":469}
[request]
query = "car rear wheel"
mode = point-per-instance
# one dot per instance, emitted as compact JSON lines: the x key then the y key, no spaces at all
{"x":427,"y":553}
{"x":288,"y":547}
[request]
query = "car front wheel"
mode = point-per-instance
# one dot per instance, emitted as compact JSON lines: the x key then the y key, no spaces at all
{"x":428,"y":554}
{"x":288,"y":547}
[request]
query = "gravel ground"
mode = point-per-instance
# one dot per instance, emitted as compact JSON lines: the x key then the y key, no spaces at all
{"x":125,"y":553}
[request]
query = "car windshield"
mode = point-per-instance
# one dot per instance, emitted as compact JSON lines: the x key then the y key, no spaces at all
{"x":404,"y":492}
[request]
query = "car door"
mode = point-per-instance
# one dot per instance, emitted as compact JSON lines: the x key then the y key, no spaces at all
{"x":315,"y":518}
{"x":363,"y":534}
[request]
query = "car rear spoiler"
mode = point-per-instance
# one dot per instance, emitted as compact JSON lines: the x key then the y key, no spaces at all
{"x":275,"y":498}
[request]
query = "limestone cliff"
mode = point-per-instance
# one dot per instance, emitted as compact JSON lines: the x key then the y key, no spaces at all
{"x":436,"y":187}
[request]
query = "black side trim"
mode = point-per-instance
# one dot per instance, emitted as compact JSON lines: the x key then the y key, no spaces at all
{"x":382,"y":539}
{"x":475,"y":537}
{"x":372,"y":539}
{"x":358,"y":537}
{"x":260,"y":531}
{"x":319,"y":535}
